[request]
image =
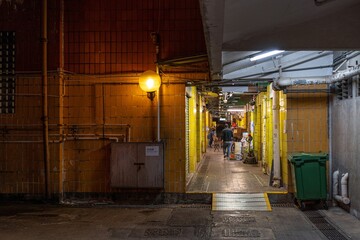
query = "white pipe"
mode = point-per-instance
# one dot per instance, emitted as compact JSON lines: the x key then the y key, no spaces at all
{"x":344,"y":179}
{"x":114,"y":138}
{"x":344,"y":195}
{"x":342,"y":199}
{"x":276,"y":139}
{"x":285,"y":82}
{"x":335,"y":182}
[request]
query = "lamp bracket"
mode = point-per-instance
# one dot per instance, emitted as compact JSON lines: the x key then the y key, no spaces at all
{"x":151,"y":95}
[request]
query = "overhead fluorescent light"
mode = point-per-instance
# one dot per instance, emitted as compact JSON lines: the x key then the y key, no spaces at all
{"x":235,"y":110}
{"x":267,"y":54}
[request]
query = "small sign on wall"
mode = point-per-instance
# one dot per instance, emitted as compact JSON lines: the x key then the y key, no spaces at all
{"x":151,"y":151}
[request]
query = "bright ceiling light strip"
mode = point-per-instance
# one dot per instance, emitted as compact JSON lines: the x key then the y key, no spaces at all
{"x":267,"y":54}
{"x":235,"y":110}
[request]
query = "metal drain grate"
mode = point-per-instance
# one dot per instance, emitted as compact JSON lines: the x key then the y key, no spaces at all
{"x":282,"y":205}
{"x":313,"y":214}
{"x":238,"y":219}
{"x":162,"y":232}
{"x":324,"y":226}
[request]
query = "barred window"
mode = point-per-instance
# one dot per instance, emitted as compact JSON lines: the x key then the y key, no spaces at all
{"x":344,"y":89}
{"x":7,"y":72}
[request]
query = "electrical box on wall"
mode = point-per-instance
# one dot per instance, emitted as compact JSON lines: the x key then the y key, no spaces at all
{"x":137,"y":165}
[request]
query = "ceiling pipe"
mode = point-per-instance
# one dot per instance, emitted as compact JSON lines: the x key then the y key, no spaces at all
{"x":282,"y":83}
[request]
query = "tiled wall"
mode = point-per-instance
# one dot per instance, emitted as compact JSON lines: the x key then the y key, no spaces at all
{"x":119,"y":106}
{"x":24,"y":17}
{"x":307,"y":125}
{"x":303,"y":126}
{"x":21,"y":139}
{"x":173,"y":134}
{"x":107,"y":44}
{"x":115,"y":36}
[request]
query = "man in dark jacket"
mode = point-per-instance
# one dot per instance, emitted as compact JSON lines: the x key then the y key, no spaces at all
{"x":226,"y":137}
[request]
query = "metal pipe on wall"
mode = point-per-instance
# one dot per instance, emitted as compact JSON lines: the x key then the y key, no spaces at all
{"x":45,"y":100}
{"x":276,"y":139}
{"x":282,"y":83}
{"x":158,"y":109}
{"x":156,"y":40}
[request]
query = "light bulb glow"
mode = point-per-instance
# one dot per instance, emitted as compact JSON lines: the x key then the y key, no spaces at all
{"x":235,"y":110}
{"x":149,"y":81}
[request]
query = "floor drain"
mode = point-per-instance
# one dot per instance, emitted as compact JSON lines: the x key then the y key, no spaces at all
{"x":324,"y":226}
{"x":238,"y":219}
{"x":162,"y":232}
{"x":282,"y":205}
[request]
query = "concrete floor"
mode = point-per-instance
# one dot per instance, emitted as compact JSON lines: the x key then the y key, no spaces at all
{"x":43,"y":222}
{"x":216,"y":174}
{"x":180,"y":221}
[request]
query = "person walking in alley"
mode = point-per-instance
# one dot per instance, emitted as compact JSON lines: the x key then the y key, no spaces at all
{"x":226,"y":137}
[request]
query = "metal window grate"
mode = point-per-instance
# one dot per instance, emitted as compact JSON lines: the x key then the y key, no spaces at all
{"x":344,"y":89}
{"x":7,"y":72}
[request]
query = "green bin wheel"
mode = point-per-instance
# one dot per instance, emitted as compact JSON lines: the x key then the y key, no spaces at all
{"x":300,"y":204}
{"x":296,"y":202}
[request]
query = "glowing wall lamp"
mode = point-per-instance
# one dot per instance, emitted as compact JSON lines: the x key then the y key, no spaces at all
{"x":150,"y":82}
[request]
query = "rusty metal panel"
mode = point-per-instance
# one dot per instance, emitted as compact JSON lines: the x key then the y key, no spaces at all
{"x":137,"y":165}
{"x":150,"y":168}
{"x":122,"y":169}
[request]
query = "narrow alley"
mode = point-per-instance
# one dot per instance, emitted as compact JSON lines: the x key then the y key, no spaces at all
{"x":219,"y":175}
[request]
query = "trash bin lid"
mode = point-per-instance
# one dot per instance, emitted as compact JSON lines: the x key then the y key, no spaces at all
{"x":304,"y":156}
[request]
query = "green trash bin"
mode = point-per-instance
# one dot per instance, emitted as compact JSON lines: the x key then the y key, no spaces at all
{"x":309,"y":177}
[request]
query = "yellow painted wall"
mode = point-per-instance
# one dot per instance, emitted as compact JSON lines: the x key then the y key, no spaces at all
{"x":207,"y":126}
{"x":243,"y":121}
{"x":202,"y":127}
{"x":269,"y":131}
{"x":257,"y":129}
{"x":303,"y":127}
{"x":307,"y":122}
{"x":261,"y":126}
{"x":283,"y":139}
{"x":193,"y":140}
